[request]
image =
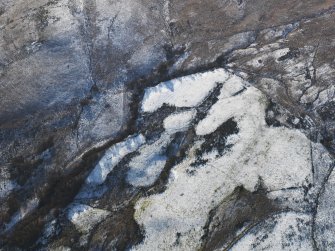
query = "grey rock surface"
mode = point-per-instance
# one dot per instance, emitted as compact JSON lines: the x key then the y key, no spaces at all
{"x":80,"y":84}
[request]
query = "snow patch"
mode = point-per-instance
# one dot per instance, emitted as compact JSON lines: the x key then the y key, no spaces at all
{"x":325,"y":96}
{"x":291,"y":232}
{"x":179,"y":121}
{"x":325,"y":217}
{"x":280,"y":156}
{"x":6,"y":186}
{"x":112,"y":157}
{"x":262,"y":151}
{"x":186,"y":91}
{"x":147,"y":166}
{"x":85,"y":217}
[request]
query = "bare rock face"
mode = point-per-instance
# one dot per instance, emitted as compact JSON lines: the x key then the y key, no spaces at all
{"x":167,"y":125}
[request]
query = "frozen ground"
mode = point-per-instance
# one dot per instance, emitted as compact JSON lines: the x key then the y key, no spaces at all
{"x":280,"y":157}
{"x":231,"y":153}
{"x":167,"y":125}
